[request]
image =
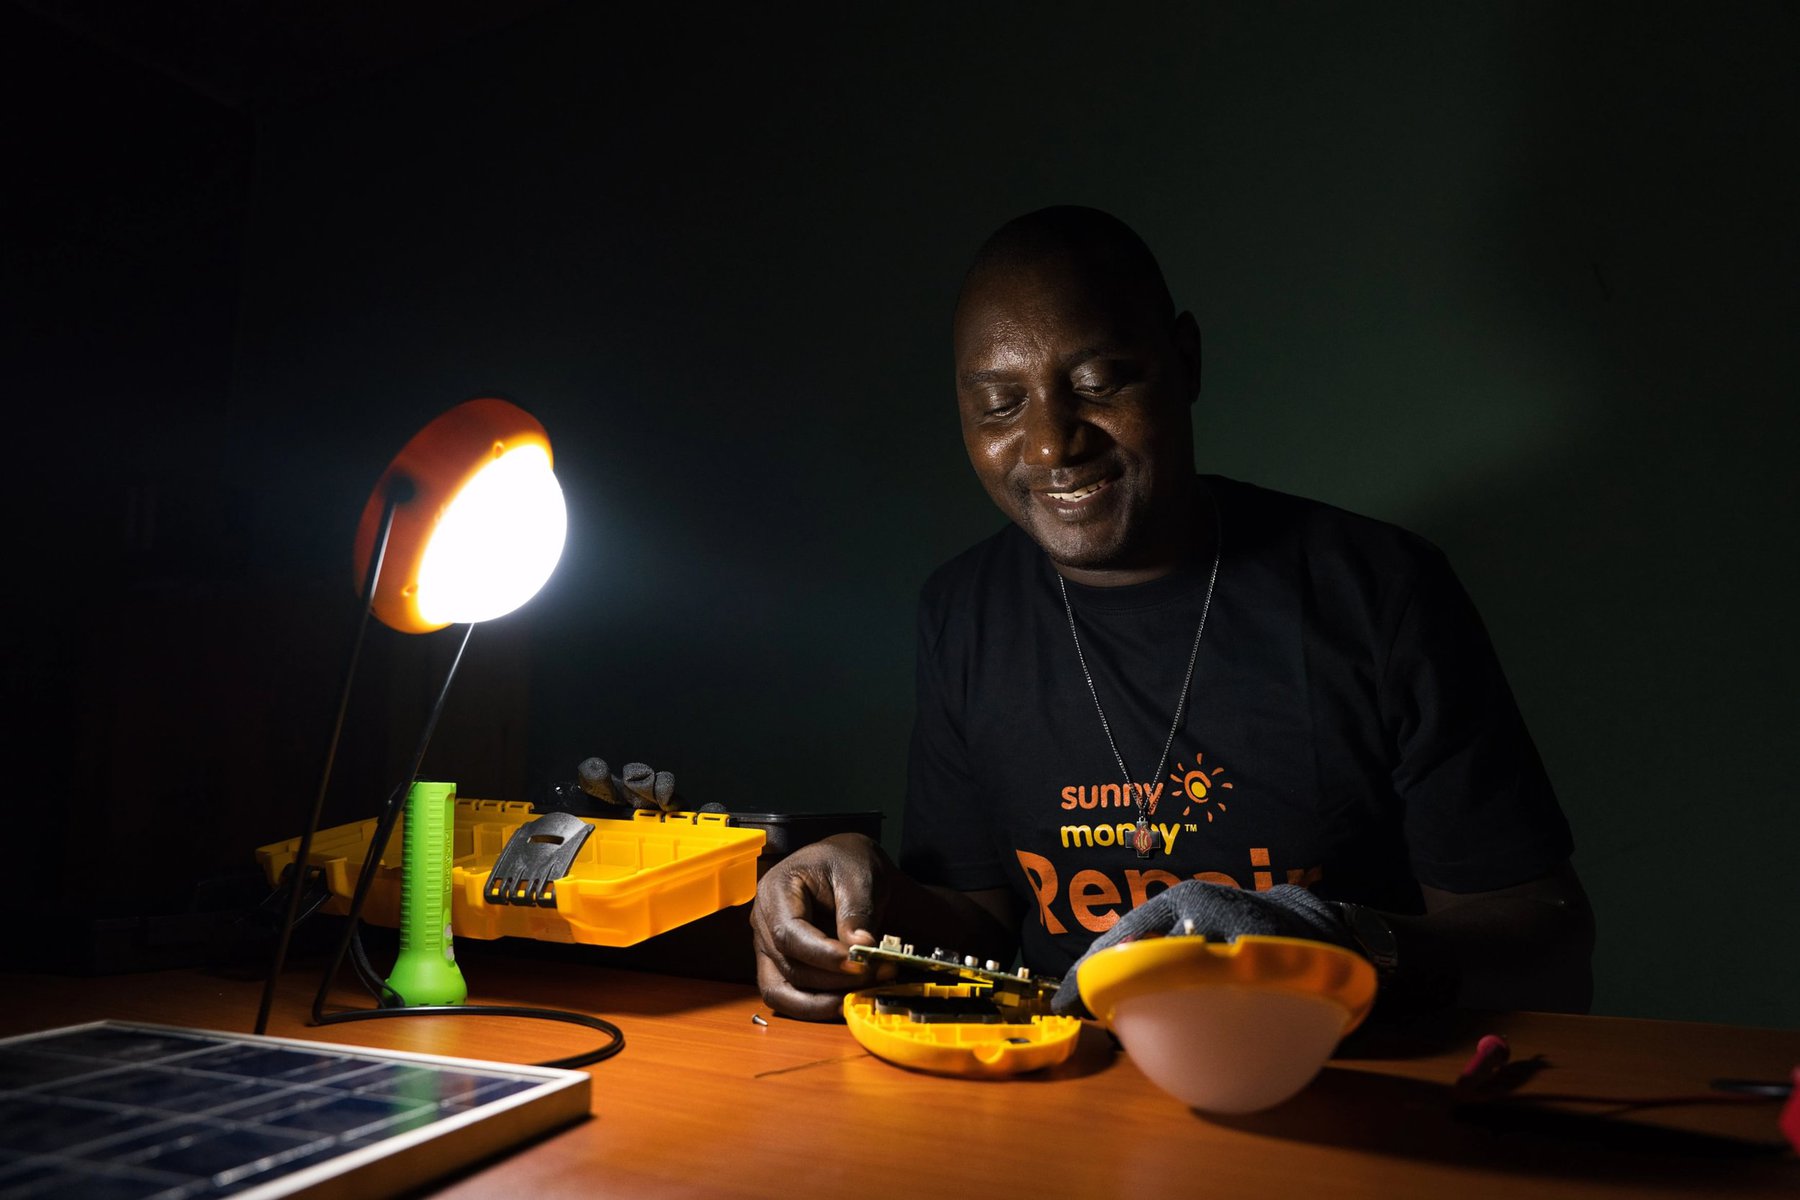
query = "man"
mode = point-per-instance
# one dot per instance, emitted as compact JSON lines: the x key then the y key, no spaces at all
{"x":1340,"y":755}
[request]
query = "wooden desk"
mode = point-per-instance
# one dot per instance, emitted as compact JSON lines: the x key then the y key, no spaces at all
{"x":704,"y":1101}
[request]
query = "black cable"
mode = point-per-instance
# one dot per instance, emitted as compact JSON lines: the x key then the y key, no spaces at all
{"x":369,"y":977}
{"x":390,"y":1002}
{"x":378,"y":840}
{"x":586,"y":1058}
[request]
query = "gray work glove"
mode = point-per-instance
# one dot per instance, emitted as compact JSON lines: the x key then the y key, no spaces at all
{"x":1220,"y":914}
{"x":637,"y":787}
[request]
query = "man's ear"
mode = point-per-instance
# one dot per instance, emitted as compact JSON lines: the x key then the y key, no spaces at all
{"x":1187,"y":348}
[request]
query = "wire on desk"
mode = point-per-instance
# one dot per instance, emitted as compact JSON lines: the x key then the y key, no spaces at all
{"x":615,"y":1043}
{"x":390,"y":1003}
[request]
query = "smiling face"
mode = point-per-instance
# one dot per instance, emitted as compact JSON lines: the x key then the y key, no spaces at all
{"x":1074,"y":383}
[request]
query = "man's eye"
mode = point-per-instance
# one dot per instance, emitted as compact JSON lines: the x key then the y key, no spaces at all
{"x":1096,"y":385}
{"x":999,"y":405}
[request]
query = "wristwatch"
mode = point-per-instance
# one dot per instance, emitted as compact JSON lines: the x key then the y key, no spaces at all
{"x":1375,"y":938}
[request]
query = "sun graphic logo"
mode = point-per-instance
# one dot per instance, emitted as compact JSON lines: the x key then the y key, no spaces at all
{"x":1201,"y":788}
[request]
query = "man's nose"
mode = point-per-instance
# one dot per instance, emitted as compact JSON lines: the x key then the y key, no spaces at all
{"x":1054,"y":431}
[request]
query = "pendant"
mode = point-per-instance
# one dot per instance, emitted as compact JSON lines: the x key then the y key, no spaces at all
{"x":1145,"y":839}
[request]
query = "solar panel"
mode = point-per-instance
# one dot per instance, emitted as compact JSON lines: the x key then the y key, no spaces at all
{"x":115,"y":1109}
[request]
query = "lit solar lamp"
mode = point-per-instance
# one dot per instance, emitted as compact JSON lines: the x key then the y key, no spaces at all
{"x":465,"y":525}
{"x":477,"y":520}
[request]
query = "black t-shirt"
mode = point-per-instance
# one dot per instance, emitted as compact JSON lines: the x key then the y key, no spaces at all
{"x":1348,"y":727}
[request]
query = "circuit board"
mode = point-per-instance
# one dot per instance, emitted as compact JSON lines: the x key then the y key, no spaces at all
{"x":115,"y":1109}
{"x":1014,"y":991}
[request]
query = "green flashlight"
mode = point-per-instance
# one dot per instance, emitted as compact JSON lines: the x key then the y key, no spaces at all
{"x":426,"y":971}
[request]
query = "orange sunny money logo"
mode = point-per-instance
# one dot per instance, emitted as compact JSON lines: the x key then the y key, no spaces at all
{"x":1199,"y":788}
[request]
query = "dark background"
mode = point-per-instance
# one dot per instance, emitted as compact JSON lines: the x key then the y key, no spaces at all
{"x":1517,"y":276}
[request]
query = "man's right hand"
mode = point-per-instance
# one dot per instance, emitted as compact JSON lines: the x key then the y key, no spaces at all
{"x":811,"y":907}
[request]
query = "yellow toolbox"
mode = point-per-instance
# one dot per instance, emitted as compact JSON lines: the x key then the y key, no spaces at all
{"x":631,"y":879}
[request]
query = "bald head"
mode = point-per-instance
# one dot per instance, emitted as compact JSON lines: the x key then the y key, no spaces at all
{"x":1107,"y":254}
{"x":1074,"y":382}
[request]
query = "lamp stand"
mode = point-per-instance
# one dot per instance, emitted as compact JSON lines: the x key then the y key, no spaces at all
{"x":384,"y":830}
{"x":296,"y":884}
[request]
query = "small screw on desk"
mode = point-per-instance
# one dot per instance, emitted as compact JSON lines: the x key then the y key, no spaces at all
{"x":757,"y":1019}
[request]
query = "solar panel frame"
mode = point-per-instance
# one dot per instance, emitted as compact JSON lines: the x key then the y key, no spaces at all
{"x":177,"y":1113}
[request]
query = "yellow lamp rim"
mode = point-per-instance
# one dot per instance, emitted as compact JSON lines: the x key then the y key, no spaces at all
{"x":436,"y":464}
{"x":1295,"y":965}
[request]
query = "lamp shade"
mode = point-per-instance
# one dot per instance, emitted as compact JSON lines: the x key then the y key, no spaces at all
{"x":479,"y":519}
{"x":1228,"y":1027}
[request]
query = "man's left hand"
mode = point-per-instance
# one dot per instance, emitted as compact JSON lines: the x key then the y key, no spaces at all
{"x":1220,"y":914}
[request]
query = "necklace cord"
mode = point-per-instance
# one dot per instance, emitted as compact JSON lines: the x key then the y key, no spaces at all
{"x":1186,"y":682}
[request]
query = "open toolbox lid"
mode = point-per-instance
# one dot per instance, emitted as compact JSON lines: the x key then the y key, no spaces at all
{"x":630,"y":880}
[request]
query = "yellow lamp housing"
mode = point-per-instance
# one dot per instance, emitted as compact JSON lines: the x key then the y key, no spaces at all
{"x":977,"y":1048}
{"x":1228,"y":1027}
{"x":479,"y":519}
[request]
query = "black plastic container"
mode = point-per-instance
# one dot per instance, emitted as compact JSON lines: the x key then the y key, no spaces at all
{"x":787,"y":832}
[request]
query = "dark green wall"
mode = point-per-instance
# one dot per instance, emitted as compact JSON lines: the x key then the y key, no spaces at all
{"x":1516,"y":277}
{"x":1519,"y":277}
